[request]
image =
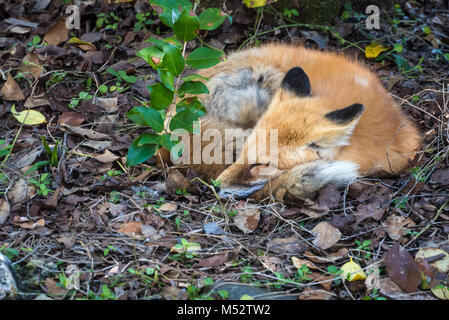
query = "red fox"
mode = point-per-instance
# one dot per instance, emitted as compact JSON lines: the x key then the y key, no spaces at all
{"x":333,"y":119}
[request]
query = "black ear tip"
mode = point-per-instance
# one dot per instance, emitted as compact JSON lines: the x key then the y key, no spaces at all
{"x":345,"y":115}
{"x":358,"y":108}
{"x":297,"y":81}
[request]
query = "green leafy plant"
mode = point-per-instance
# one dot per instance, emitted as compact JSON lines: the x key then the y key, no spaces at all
{"x":10,"y":253}
{"x":35,"y":43}
{"x":114,"y":196}
{"x":365,"y":247}
{"x":374,"y":295}
{"x":247,"y":275}
{"x":5,"y":149}
{"x":42,"y":184}
{"x":109,"y":21}
{"x":122,"y":76}
{"x":168,"y":57}
{"x":83,"y":95}
{"x":55,"y":78}
{"x":143,"y":19}
{"x":290,"y":12}
{"x":419,"y":173}
{"x":185,"y":250}
{"x":302,"y":274}
{"x":108,"y":249}
{"x":349,"y":12}
{"x":52,"y":154}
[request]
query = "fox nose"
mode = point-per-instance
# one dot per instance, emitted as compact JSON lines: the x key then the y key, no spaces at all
{"x":217,"y":189}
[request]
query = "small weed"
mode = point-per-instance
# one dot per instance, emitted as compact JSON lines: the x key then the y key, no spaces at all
{"x":114,"y":196}
{"x":364,"y":246}
{"x":109,"y":21}
{"x":83,"y":95}
{"x":143,"y":20}
{"x":374,"y":296}
{"x":108,"y":249}
{"x":42,"y":184}
{"x":302,"y":274}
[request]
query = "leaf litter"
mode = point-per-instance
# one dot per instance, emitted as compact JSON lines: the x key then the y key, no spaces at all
{"x":105,"y":215}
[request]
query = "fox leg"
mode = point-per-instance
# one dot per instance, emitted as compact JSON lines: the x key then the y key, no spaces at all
{"x":303,"y":181}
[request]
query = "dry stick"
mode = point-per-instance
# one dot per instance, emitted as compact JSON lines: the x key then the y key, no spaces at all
{"x":429,"y":224}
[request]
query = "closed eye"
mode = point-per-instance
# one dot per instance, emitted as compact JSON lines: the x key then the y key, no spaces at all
{"x":314,"y":146}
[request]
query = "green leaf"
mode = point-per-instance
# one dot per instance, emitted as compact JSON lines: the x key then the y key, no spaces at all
{"x":147,"y":117}
{"x":103,"y":89}
{"x":202,"y":58}
{"x":149,"y":138}
{"x":398,"y":47}
{"x":211,"y":19}
{"x":167,"y":142}
{"x":183,"y":120}
{"x":193,"y":77}
{"x":138,"y":154}
{"x":192,"y":87}
{"x":36,"y":166}
{"x":161,"y":97}
{"x":173,"y":60}
{"x":167,"y":78}
{"x":187,"y":26}
{"x":170,"y":9}
{"x":193,"y":104}
{"x":152,"y":55}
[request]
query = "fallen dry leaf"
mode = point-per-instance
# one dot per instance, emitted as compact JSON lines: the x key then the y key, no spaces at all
{"x":214,"y":261}
{"x":131,"y":228}
{"x":32,"y":66}
{"x":247,"y":219}
{"x":11,"y":90}
{"x":83,"y":45}
{"x":352,"y":271}
{"x":330,"y":258}
{"x":314,"y":210}
{"x":53,"y":288}
{"x":292,"y":245}
{"x":107,"y":104}
{"x":402,"y":268}
{"x":326,"y":235}
{"x":437,"y":258}
{"x":325,"y":281}
{"x":57,"y":33}
{"x":85,"y":133}
{"x":174,"y":293}
{"x":106,"y":157}
{"x":299,"y":262}
{"x":329,"y":196}
{"x":36,"y":102}
{"x":33,"y":225}
{"x":168,"y":206}
{"x":71,"y":118}
{"x":396,"y":226}
{"x":315,"y":294}
{"x":376,"y":202}
{"x":21,"y":191}
{"x":441,"y":176}
{"x":4,"y":210}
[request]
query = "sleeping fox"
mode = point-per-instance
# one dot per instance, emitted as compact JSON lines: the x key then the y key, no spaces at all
{"x":333,"y":121}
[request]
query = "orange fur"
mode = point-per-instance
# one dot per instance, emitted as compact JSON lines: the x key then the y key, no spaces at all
{"x":382,"y":141}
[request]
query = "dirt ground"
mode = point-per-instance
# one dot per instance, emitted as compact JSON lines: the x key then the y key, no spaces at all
{"x":90,"y":228}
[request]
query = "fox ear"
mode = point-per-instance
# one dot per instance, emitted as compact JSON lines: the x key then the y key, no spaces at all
{"x":297,"y":81}
{"x":346,"y":115}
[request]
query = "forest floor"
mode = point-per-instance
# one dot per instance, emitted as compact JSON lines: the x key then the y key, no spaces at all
{"x":87,"y":227}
